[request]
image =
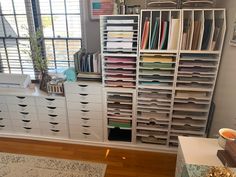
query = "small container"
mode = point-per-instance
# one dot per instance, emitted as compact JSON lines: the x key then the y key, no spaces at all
{"x":226,"y":134}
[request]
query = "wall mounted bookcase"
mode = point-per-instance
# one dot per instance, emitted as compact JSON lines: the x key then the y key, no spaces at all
{"x":174,"y":62}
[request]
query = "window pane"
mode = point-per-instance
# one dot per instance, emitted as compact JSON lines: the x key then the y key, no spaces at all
{"x":44,"y":6}
{"x":22,"y":25}
{"x":19,"y":6}
{"x":1,"y":28}
{"x":47,"y":25}
{"x":61,"y":50}
{"x":73,"y":26}
{"x":49,"y":53}
{"x":59,"y":22}
{"x":6,"y":6}
{"x":12,"y":53}
{"x":72,"y":6}
{"x":58,"y":6}
{"x":74,"y":46}
{"x":10,"y":26}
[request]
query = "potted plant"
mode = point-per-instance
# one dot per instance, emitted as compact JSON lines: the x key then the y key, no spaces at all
{"x":40,"y":63}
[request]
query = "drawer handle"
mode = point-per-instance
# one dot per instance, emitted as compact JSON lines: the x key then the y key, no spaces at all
{"x":86,"y":133}
{"x":52,"y":115}
{"x":85,"y":126}
{"x":26,"y":121}
{"x":27,"y":128}
{"x":85,"y":118}
{"x":50,"y":107}
{"x":20,"y":97}
{"x":85,"y":110}
{"x":82,"y":85}
{"x":55,"y":131}
{"x":83,"y":94}
{"x":22,"y":105}
{"x":0,"y":110}
{"x":1,"y":118}
{"x":84,"y":102}
{"x":50,"y":99}
{"x":2,"y":126}
{"x":25,"y":113}
{"x":54,"y":123}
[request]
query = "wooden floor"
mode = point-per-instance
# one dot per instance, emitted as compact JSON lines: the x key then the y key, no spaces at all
{"x":120,"y":163}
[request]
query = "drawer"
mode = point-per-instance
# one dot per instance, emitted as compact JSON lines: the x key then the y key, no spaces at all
{"x":74,"y":129}
{"x":55,"y":133}
{"x":90,"y":122}
{"x":22,"y":108}
{"x":6,"y":127}
{"x":23,"y":115}
{"x":52,"y":110}
{"x":53,"y":118}
{"x":84,"y":106}
{"x":2,"y":99}
{"x":51,"y":101}
{"x":3,"y":107}
{"x":75,"y":114}
{"x":53,"y":125}
{"x":4,"y":115}
{"x":25,"y":123}
{"x":80,"y":97}
{"x":83,"y":87}
{"x":27,"y":130}
{"x":4,"y":121}
{"x":86,"y":137}
{"x":21,"y":100}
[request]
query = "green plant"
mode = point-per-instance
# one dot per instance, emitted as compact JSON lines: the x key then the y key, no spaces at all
{"x":35,"y":53}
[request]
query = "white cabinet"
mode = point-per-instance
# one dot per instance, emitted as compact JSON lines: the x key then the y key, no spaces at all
{"x":23,"y":113}
{"x":84,"y":104}
{"x":5,"y":121}
{"x":52,"y":116}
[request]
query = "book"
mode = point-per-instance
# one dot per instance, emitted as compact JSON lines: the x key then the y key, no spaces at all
{"x":206,"y":34}
{"x":145,"y":34}
{"x":174,"y":34}
{"x":164,"y":35}
{"x":196,"y":35}
{"x":155,"y":35}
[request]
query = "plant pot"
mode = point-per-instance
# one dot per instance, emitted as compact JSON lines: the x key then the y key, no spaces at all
{"x":44,"y":79}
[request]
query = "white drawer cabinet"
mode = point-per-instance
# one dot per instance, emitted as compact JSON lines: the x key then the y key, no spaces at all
{"x":85,"y":110}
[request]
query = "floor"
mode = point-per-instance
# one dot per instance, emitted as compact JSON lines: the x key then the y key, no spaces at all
{"x":120,"y":163}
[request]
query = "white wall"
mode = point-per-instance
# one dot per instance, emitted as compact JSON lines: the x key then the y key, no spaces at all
{"x":225,"y":93}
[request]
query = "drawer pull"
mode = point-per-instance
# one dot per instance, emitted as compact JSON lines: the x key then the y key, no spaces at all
{"x":86,"y":133}
{"x":27,"y":121}
{"x":85,"y":118}
{"x":1,"y":126}
{"x":50,"y":107}
{"x":27,"y":128}
{"x":1,"y":118}
{"x":83,"y":94}
{"x":22,"y":105}
{"x":50,"y":99}
{"x":84,"y":102}
{"x":86,"y":126}
{"x":82,"y":85}
{"x":0,"y":111}
{"x":20,"y":97}
{"x":52,"y":115}
{"x":24,"y":113}
{"x":54,"y":123}
{"x":85,"y":110}
{"x":55,"y":131}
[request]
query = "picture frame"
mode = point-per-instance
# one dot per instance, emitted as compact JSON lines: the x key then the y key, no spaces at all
{"x":101,"y":7}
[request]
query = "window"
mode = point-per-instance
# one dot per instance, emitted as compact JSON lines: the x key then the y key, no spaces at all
{"x":61,"y":25}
